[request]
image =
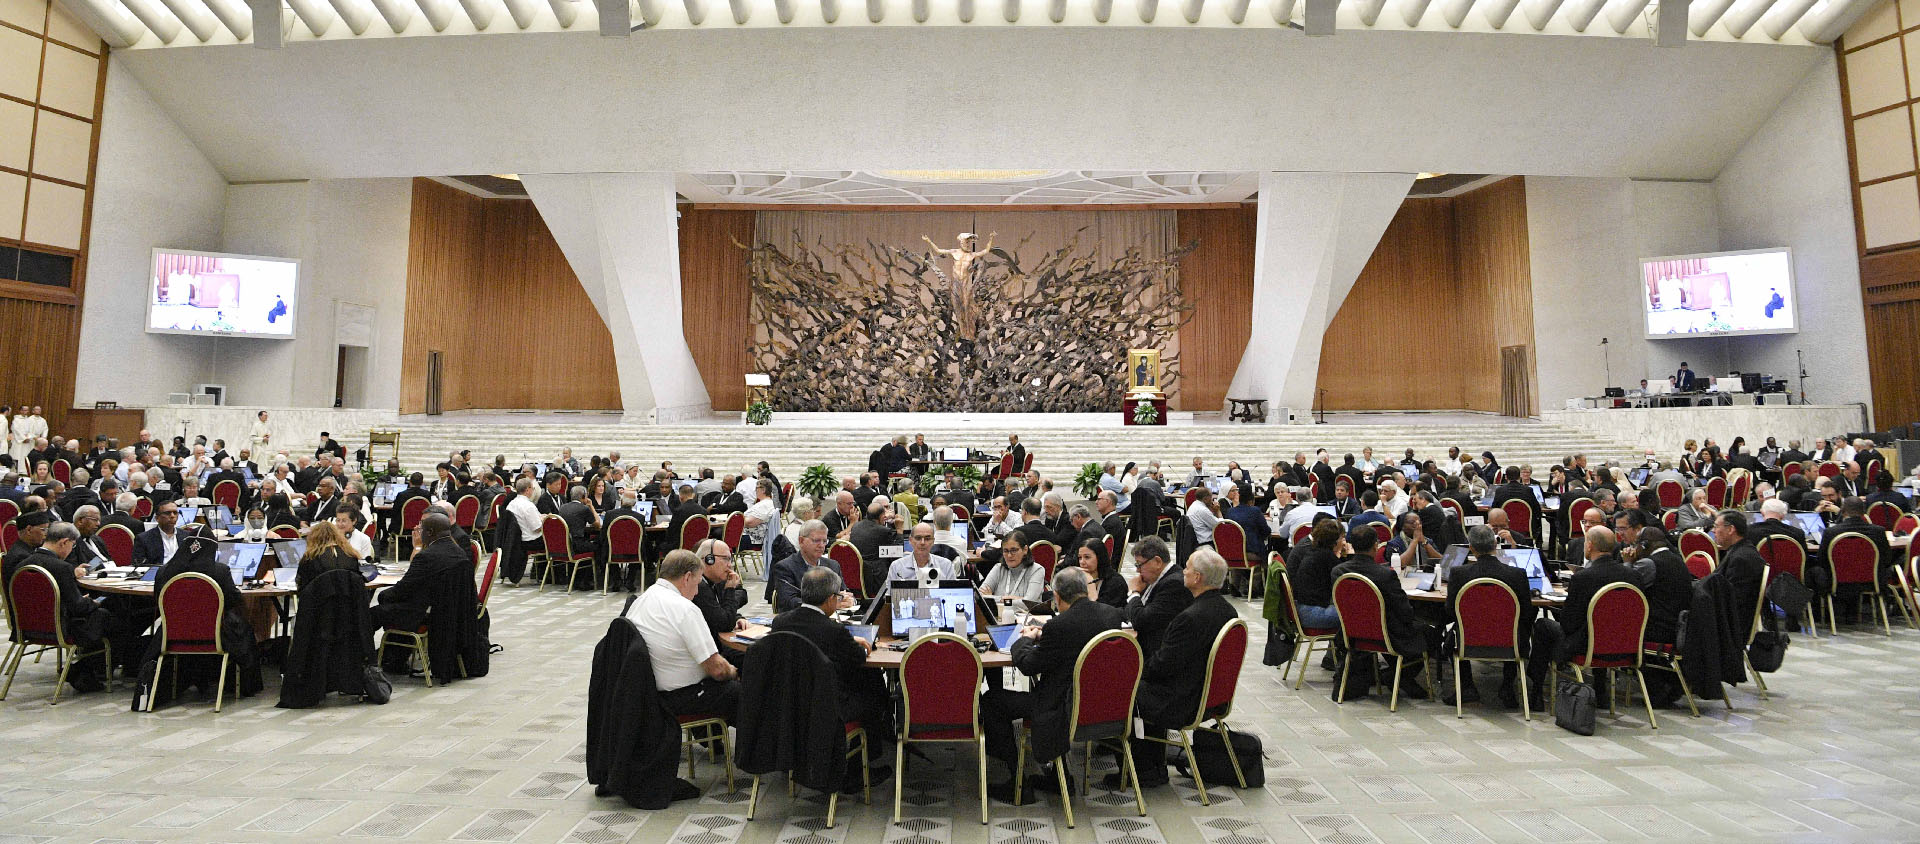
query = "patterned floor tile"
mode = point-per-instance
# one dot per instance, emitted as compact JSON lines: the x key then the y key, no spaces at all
{"x":1022,"y":831}
{"x":94,"y":809}
{"x":1756,"y":819}
{"x":368,"y":777}
{"x":294,"y":815}
{"x":551,"y":785}
{"x":396,"y":821}
{"x":917,"y":830}
{"x":193,"y":812}
{"x":457,"y":781}
{"x":1440,"y":828}
{"x":1335,"y":829}
{"x":709,"y":829}
{"x":1391,"y":789}
{"x":1547,"y":825}
{"x":811,"y":830}
{"x":605,"y":828}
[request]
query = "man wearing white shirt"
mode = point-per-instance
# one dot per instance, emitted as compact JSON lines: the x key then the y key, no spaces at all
{"x":1111,"y":482}
{"x":1284,"y":514}
{"x":25,"y":431}
{"x":920,"y":556}
{"x":1392,"y":502}
{"x":1451,"y":465}
{"x":688,"y":670}
{"x":526,"y":517}
{"x":1003,"y":521}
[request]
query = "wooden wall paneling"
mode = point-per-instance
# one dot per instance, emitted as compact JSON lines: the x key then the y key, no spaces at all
{"x":1367,"y":360}
{"x":489,"y":288}
{"x":38,"y":349}
{"x":1893,"y":336}
{"x":716,"y":297}
{"x":1493,"y":262}
{"x":1217,"y":279}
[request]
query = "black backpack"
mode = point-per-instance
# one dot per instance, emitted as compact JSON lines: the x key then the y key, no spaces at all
{"x":1217,"y":768}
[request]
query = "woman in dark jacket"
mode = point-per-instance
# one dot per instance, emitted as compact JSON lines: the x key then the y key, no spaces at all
{"x":327,"y":550}
{"x":1103,"y":578}
{"x":280,"y":512}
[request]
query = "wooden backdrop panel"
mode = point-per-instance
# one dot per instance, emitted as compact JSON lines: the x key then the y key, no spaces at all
{"x":1893,"y":329}
{"x":39,"y":347}
{"x":1456,"y":270}
{"x":715,"y":297}
{"x":1217,"y":277}
{"x":489,"y":288}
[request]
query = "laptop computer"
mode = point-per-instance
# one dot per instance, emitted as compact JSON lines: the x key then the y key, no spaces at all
{"x":645,"y":510}
{"x":1639,"y":476}
{"x":1528,"y":559}
{"x":1812,"y":524}
{"x":1325,"y":508}
{"x":246,"y":560}
{"x":289,"y":551}
{"x":1003,"y":636}
{"x":1410,"y":470}
{"x":954,"y":454}
{"x":936,"y":608}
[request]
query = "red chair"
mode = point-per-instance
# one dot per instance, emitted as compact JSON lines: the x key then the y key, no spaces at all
{"x":1906,"y":524}
{"x":63,"y":471}
{"x":1229,"y":540}
{"x":494,"y":511}
{"x":1670,"y":520}
{"x":1829,"y":469}
{"x":1451,"y":508}
{"x":1106,"y":677}
{"x":38,"y":623}
{"x":227,"y":494}
{"x":1216,"y":702}
{"x":1697,"y":540}
{"x":410,"y":515}
{"x":1006,"y":467}
{"x":1363,"y":626}
{"x":466,"y":511}
{"x":191,"y":606}
{"x":1787,"y":471}
{"x":1192,"y":493}
{"x":694,"y":531}
{"x":8,"y":509}
{"x":1742,"y":488}
{"x":939,"y":702}
{"x":1856,"y":562}
{"x":1045,"y":554}
{"x":1672,"y":493}
{"x":1700,"y":563}
{"x":1884,"y":514}
{"x":845,"y":555}
{"x":623,"y":545}
{"x":1300,"y":534}
{"x":1616,"y":633}
{"x":1787,"y":557}
{"x":118,"y":541}
{"x":1717,"y":492}
{"x":558,"y":544}
{"x":1753,"y":629}
{"x":1578,"y":509}
{"x":1027,"y":465}
{"x":143,"y":508}
{"x":1519,"y":516}
{"x":1304,"y":637}
{"x":1487,"y":616}
{"x":483,"y":582}
{"x":286,"y":532}
{"x":9,"y":534}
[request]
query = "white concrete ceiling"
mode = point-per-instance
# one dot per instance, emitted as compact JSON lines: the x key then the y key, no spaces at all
{"x":965,"y":187}
{"x":887,"y":98}
{"x":186,"y":23}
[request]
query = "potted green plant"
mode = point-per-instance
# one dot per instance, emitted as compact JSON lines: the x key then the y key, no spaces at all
{"x":817,"y":482}
{"x":759,"y":413}
{"x":1146,"y":413}
{"x":966,"y":474}
{"x":1087,"y":483}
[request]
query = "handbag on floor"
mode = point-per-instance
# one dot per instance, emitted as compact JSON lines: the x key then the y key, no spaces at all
{"x":1573,"y":707}
{"x":1768,"y":651}
{"x":377,"y":688}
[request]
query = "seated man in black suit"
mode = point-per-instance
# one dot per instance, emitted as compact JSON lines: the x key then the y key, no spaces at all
{"x":1883,"y":493}
{"x":1176,"y":673}
{"x":1740,"y":562}
{"x":783,"y":580}
{"x":440,"y":562}
{"x":1853,"y":519}
{"x":1156,"y":594}
{"x":721,"y":596}
{"x":1668,"y":584}
{"x":1537,"y":635}
{"x":122,"y":514}
{"x":1049,"y":659}
{"x":86,"y":622}
{"x":863,"y":690}
{"x":685,"y":506}
{"x":1408,"y":635}
{"x":872,"y":532}
{"x":155,"y":547}
{"x":1604,"y":567}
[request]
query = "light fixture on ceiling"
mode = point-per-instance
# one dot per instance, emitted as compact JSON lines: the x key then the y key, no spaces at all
{"x":962,"y":175}
{"x":509,"y":176}
{"x":1419,"y":177}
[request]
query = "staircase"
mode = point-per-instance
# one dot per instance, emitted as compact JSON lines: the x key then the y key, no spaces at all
{"x":1058,"y":452}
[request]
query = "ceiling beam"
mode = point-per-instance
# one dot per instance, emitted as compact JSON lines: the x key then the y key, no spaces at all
{"x":1498,"y":11}
{"x":1146,"y":9}
{"x":784,"y":10}
{"x":1827,"y":23}
{"x":741,"y":11}
{"x":1412,"y":11}
{"x":1539,"y":12}
{"x":1743,"y":15}
{"x":1580,"y":13}
{"x":396,"y":13}
{"x":235,"y":16}
{"x":1701,"y":16}
{"x":564,"y":11}
{"x":439,"y":13}
{"x":1622,"y":13}
{"x":107,"y":18}
{"x":830,"y":11}
{"x":1237,"y":10}
{"x":1057,"y":10}
{"x":1455,"y":11}
{"x":1282,"y":10}
{"x":198,"y":19}
{"x":1783,"y":16}
{"x":317,"y":16}
{"x":158,"y":20}
{"x":481,"y":12}
{"x":1010,"y":10}
{"x":696,"y":11}
{"x":1190,"y":9}
{"x":1369,"y":10}
{"x":876,"y":10}
{"x":523,"y":12}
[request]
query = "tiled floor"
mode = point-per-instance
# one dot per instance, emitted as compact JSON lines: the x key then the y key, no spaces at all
{"x":1831,"y":757}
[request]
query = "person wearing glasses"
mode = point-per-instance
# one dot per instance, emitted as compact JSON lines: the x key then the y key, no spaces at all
{"x":720,"y":595}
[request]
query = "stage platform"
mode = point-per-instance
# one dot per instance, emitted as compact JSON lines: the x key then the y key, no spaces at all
{"x":1060,"y":443}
